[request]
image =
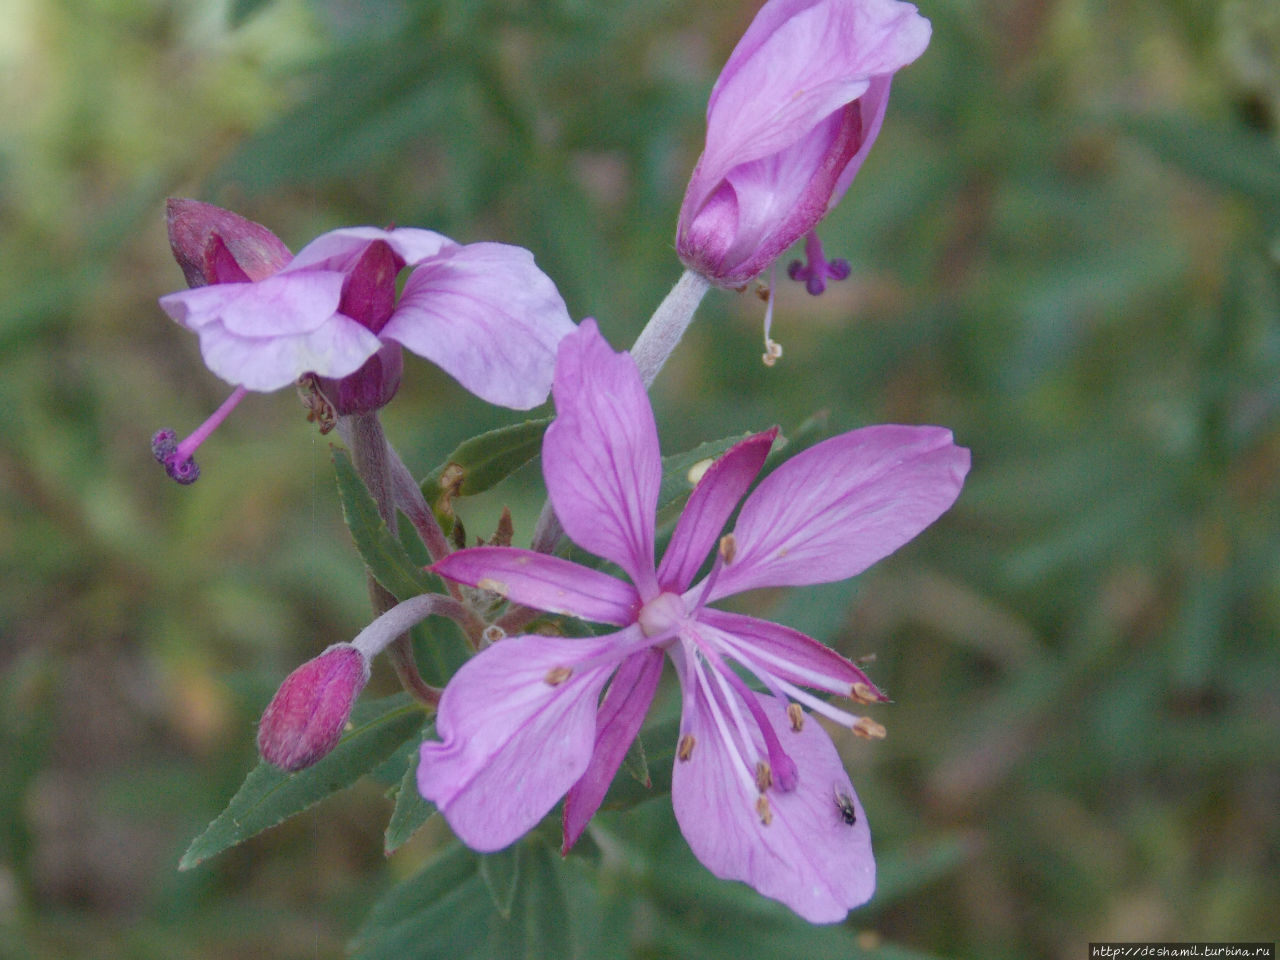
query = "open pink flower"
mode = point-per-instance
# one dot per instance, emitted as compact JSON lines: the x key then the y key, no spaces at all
{"x":760,"y":794}
{"x":790,"y":121}
{"x":483,"y":312}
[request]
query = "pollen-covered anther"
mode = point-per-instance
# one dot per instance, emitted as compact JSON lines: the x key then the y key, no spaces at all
{"x":728,"y":548}
{"x":492,"y":634}
{"x":557,"y":675}
{"x":493,"y":586}
{"x":772,"y":352}
{"x":868,"y":729}
{"x":795,"y":713}
{"x":863,"y":693}
{"x":764,"y":776}
{"x":764,"y":809}
{"x":685,"y":748}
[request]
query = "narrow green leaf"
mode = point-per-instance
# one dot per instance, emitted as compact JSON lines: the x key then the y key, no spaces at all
{"x":500,"y":872}
{"x":484,"y":461}
{"x":411,"y":810}
{"x":270,"y":796}
{"x":383,"y":554}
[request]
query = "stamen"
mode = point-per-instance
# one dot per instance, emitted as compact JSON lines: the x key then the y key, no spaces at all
{"x":732,"y":744}
{"x":557,"y":675}
{"x":868,"y":729}
{"x":764,"y":810}
{"x":862,"y":693}
{"x":492,"y":634}
{"x":764,"y":776}
{"x":795,"y":713}
{"x":176,"y":457}
{"x":787,"y":774}
{"x":685,"y":750}
{"x":817,"y":270}
{"x":817,"y":705}
{"x":749,"y":655}
{"x":728,"y":548}
{"x":772,"y":350}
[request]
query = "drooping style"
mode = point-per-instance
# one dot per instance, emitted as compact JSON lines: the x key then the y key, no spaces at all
{"x":483,"y":312}
{"x":758,"y":788}
{"x":789,"y":123}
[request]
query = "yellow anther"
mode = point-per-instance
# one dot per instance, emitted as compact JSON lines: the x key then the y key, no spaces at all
{"x":795,"y":713}
{"x":764,"y":810}
{"x":728,"y":548}
{"x":868,"y":729}
{"x":863,"y":693}
{"x":764,"y":776}
{"x":557,"y":675}
{"x":772,"y":352}
{"x":685,"y":750}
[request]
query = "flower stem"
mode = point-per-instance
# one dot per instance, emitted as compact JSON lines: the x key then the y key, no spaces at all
{"x":662,"y":333}
{"x":374,"y":462}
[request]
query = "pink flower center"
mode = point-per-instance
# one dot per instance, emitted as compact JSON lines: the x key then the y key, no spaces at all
{"x":663,"y":614}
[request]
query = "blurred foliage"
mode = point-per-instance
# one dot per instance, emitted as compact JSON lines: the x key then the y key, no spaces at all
{"x":1065,"y":247}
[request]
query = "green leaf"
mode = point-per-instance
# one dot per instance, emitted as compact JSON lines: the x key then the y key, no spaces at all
{"x":501,"y":873}
{"x":383,"y":554}
{"x":270,"y":796}
{"x":445,"y":913}
{"x":483,"y":461}
{"x":675,"y":468}
{"x":411,"y":811}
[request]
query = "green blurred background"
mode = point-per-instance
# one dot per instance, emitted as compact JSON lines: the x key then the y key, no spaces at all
{"x":1065,"y":247}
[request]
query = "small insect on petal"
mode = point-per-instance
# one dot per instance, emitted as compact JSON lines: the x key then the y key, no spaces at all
{"x":844,"y":803}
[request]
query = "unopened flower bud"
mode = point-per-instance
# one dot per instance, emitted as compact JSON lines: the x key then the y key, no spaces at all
{"x":305,"y":719}
{"x":213,"y":245}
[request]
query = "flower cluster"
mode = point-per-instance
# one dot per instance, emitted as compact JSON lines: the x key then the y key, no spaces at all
{"x":758,"y":787}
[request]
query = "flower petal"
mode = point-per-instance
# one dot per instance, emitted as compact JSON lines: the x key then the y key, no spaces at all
{"x":709,"y":507}
{"x":511,"y":742}
{"x":340,"y":249}
{"x":838,"y":507}
{"x":544,"y":582}
{"x":487,"y":316}
{"x":807,"y":856}
{"x":797,"y":64}
{"x":280,"y":305}
{"x":619,"y":720}
{"x":600,"y":456}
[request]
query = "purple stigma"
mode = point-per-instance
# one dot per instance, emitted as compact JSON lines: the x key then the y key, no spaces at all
{"x":816,"y":269}
{"x":176,"y":457}
{"x":164,"y":447}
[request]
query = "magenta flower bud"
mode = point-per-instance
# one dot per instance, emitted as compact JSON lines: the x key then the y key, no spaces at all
{"x":305,"y":719}
{"x":790,"y":121}
{"x":213,"y":245}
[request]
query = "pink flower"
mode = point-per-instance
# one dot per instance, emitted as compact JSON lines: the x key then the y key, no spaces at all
{"x":483,"y":312}
{"x":789,"y":123}
{"x":760,"y":794}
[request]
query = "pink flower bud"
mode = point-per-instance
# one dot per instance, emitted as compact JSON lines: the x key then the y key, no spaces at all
{"x":213,"y":245}
{"x":305,"y":719}
{"x":790,"y":121}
